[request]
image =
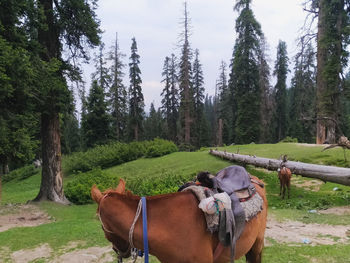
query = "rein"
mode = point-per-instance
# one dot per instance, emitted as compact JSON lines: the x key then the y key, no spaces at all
{"x":131,"y":248}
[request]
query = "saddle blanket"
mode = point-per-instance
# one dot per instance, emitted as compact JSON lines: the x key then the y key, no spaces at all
{"x":251,"y":206}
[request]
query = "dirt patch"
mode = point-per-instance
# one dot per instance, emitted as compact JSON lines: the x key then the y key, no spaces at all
{"x":21,"y":216}
{"x":312,"y":144}
{"x":91,"y":254}
{"x":310,"y":185}
{"x":340,"y":210}
{"x":298,"y":232}
{"x":27,"y":255}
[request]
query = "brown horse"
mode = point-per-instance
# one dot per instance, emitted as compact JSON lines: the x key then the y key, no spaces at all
{"x":284,"y":175}
{"x":176,"y":227}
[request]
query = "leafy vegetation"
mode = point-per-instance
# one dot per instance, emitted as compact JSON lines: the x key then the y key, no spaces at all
{"x":20,"y":173}
{"x":105,"y":156}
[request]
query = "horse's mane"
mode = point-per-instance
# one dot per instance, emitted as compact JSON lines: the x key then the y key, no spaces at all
{"x":129,"y":195}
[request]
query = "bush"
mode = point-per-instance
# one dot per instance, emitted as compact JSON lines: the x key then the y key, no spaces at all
{"x":109,"y":155}
{"x":290,"y":139}
{"x":78,"y":190}
{"x":21,"y":173}
{"x":159,"y":147}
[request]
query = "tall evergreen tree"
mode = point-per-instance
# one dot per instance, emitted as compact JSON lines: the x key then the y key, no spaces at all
{"x":56,"y":29}
{"x":18,"y":120}
{"x":244,"y":76}
{"x":267,"y":103}
{"x":97,"y":118}
{"x":170,"y":100}
{"x":332,"y":42}
{"x":209,"y":113}
{"x":118,"y":95}
{"x":199,"y":123}
{"x":153,"y":124}
{"x":185,"y":84}
{"x":101,"y":75}
{"x":281,"y":70}
{"x":224,"y":108}
{"x":136,"y":101}
{"x":303,"y":93}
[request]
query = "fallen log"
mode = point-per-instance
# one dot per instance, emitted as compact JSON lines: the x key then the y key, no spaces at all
{"x":325,"y":173}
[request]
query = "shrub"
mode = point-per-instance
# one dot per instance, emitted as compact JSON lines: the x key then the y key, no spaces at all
{"x":21,"y":173}
{"x":159,"y":147}
{"x":289,"y":139}
{"x":78,"y":190}
{"x":112,"y":154}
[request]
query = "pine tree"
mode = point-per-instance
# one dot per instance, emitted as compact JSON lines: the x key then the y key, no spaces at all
{"x":118,"y":95}
{"x":281,"y":70}
{"x":54,"y":29}
{"x":97,"y":118}
{"x":101,"y":75}
{"x":303,"y":93}
{"x":209,"y":113}
{"x":244,"y":76}
{"x":136,"y":101}
{"x":224,"y":108}
{"x":18,"y":118}
{"x":170,"y":100}
{"x":153,"y":124}
{"x":199,"y":123}
{"x":185,"y":84}
{"x":267,"y":103}
{"x":332,"y":54}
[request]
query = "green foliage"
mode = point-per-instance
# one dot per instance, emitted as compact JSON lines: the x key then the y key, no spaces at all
{"x":159,"y":147}
{"x":244,"y":78}
{"x":115,"y":153}
{"x":136,"y":100}
{"x":78,"y":190}
{"x":20,"y":173}
{"x":280,"y":99}
{"x":289,"y":139}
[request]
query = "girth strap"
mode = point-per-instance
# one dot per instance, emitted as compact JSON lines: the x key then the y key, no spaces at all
{"x":144,"y":226}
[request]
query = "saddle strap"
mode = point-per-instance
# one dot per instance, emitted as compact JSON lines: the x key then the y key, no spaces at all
{"x":218,"y":251}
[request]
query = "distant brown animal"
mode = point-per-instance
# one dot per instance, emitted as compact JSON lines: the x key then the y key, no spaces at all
{"x":177,"y":230}
{"x":284,"y":175}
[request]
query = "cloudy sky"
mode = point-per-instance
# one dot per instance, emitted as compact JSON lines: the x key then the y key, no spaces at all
{"x":156,"y":26}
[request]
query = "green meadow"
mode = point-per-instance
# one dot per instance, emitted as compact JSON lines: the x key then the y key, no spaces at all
{"x":150,"y":176}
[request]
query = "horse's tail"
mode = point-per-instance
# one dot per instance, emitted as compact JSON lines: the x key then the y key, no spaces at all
{"x":96,"y":194}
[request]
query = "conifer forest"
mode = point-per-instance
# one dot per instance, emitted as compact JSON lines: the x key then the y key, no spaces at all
{"x":47,"y":110}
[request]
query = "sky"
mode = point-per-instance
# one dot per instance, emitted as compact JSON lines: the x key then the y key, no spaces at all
{"x":155,"y":24}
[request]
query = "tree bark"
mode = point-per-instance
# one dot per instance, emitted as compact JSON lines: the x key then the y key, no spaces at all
{"x":323,"y":172}
{"x":51,"y":187}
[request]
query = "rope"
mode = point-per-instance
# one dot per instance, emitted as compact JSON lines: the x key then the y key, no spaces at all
{"x":131,"y":231}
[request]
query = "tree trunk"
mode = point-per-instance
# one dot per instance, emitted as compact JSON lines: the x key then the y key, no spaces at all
{"x":136,"y":132}
{"x":327,"y":81}
{"x":323,"y":172}
{"x":51,"y":187}
{"x":219,"y":135}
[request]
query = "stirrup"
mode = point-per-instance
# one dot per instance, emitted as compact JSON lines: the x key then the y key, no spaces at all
{"x":134,"y":253}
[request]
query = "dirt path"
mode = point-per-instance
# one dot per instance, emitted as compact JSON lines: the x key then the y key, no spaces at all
{"x":298,"y":232}
{"x":21,"y":216}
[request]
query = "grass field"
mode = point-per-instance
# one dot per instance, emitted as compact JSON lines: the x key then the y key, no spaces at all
{"x":79,"y":224}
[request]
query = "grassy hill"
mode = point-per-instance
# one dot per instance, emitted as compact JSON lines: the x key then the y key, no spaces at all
{"x":150,"y":176}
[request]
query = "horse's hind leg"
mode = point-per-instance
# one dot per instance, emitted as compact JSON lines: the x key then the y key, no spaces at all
{"x":253,"y":256}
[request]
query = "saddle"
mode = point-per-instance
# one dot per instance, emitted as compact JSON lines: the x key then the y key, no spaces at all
{"x":245,"y":202}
